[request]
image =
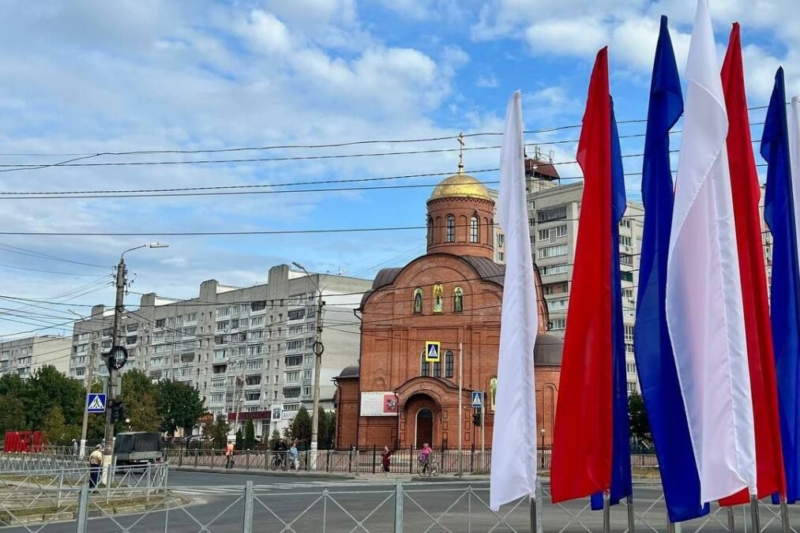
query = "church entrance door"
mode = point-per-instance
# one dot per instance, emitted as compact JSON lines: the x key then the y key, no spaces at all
{"x":424,"y":427}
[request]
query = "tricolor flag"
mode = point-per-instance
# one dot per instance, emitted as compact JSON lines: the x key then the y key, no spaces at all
{"x":591,"y":449}
{"x":514,"y":441}
{"x":654,"y":360}
{"x":794,"y":153}
{"x":746,"y":192}
{"x":780,"y":216}
{"x":704,"y":292}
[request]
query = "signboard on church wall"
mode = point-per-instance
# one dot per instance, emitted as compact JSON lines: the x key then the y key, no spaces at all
{"x":378,"y":404}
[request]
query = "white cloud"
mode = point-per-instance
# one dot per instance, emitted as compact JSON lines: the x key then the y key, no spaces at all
{"x":268,"y":34}
{"x":486,"y":82}
{"x":568,"y":36}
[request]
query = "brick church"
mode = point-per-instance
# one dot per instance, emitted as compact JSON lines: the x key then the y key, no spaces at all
{"x":451,"y":295}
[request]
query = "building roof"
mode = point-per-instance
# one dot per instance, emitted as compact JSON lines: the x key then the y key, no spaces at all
{"x":349,"y":372}
{"x":548,"y":350}
{"x":460,"y":186}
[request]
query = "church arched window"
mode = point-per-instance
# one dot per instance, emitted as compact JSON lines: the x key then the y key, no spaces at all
{"x":450,"y":236}
{"x":458,"y":300}
{"x":474,"y":229}
{"x":438,"y":298}
{"x":424,"y":365}
{"x":418,"y":300}
{"x":430,"y":230}
{"x":448,"y":364}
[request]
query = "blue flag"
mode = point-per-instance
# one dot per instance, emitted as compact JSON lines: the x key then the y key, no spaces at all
{"x":658,"y":376}
{"x":784,"y":313}
{"x":621,"y":484}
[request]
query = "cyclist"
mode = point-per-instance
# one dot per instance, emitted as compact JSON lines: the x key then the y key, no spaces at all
{"x":425,"y":457}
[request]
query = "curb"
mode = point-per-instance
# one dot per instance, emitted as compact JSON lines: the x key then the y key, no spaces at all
{"x":269,"y":473}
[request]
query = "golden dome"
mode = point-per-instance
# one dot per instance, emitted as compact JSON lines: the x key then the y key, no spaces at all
{"x":460,"y":186}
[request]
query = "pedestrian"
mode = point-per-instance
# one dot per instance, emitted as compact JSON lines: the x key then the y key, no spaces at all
{"x":229,"y":455}
{"x":386,"y":459}
{"x":294,"y":456}
{"x":95,"y":464}
{"x":425,"y":457}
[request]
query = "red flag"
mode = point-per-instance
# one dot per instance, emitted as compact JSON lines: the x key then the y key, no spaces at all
{"x":582,"y":445}
{"x":746,"y":194}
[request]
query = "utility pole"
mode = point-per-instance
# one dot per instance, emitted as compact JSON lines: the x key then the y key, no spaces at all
{"x":112,"y":372}
{"x":319,"y":348}
{"x":116,"y":358}
{"x":89,"y":377}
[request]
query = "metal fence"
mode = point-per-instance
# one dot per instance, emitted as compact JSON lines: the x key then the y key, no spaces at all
{"x":360,"y":461}
{"x":345,"y":507}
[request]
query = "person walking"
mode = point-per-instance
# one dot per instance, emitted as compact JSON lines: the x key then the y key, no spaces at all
{"x":229,"y":455}
{"x":293,"y":456}
{"x":95,"y":464}
{"x":386,"y":459}
{"x":425,"y":457}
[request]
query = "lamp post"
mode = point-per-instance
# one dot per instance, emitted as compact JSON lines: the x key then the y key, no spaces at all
{"x":541,"y":448}
{"x":112,"y":362}
{"x":318,"y":350}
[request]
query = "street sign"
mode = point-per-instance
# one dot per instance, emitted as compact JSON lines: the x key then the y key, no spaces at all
{"x":433,"y":351}
{"x":477,"y":399}
{"x":97,"y":403}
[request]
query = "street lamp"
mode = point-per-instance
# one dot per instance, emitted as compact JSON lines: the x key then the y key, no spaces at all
{"x":541,"y":448}
{"x":318,"y":349}
{"x":117,"y":357}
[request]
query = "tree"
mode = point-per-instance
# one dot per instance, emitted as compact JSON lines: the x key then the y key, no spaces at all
{"x":327,"y":428}
{"x":219,"y":432}
{"x":49,"y":388}
{"x":55,"y":428}
{"x":249,"y":435}
{"x":140,"y":398}
{"x":301,"y":426}
{"x":639,"y":424}
{"x":274,"y":439}
{"x":239,"y":440}
{"x":12,"y":414}
{"x":179,"y":406}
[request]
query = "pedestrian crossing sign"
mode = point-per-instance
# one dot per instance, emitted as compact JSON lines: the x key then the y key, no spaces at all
{"x":97,"y":403}
{"x":432,"y":351}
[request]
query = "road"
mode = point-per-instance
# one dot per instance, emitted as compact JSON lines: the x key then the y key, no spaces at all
{"x":283,"y":503}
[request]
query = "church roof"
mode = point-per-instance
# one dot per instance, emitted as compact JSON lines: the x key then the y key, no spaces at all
{"x":486,"y":269}
{"x":461,"y":186}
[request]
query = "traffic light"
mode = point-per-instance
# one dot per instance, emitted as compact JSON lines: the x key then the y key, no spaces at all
{"x":476,"y":419}
{"x":117,"y":411}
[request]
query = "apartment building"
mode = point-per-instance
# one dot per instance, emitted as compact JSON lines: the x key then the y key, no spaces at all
{"x":247,"y":350}
{"x":25,"y":356}
{"x":554,"y":212}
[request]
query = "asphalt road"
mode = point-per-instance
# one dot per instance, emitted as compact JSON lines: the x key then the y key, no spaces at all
{"x":302,"y":505}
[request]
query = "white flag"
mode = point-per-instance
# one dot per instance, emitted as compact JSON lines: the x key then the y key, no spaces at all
{"x":514,"y":439}
{"x":704,"y":292}
{"x":794,"y":154}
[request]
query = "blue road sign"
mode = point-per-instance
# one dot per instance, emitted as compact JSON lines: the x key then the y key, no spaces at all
{"x":97,"y":403}
{"x":477,"y":399}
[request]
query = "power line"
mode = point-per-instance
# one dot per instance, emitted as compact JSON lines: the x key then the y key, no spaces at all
{"x":32,"y":253}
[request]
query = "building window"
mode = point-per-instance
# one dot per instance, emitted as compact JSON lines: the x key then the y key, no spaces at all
{"x":458,"y":300}
{"x":625,"y":240}
{"x":437,"y":369}
{"x":451,"y":229}
{"x":474,"y":229}
{"x":557,"y":305}
{"x":448,"y":364}
{"x":625,"y":259}
{"x":550,"y":270}
{"x":555,"y":213}
{"x":438,"y":298}
{"x":553,"y":251}
{"x":424,"y":369}
{"x":430,"y":230}
{"x":628,"y":333}
{"x":626,"y":276}
{"x":418,"y":300}
{"x":631,"y":387}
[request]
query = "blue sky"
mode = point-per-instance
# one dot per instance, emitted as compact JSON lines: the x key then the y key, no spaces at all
{"x":84,"y":77}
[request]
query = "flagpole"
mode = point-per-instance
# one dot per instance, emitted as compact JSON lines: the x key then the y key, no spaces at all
{"x":754,"y":513}
{"x":631,"y":515}
{"x":460,"y":407}
{"x":606,"y":512}
{"x":731,"y":521}
{"x":786,"y":527}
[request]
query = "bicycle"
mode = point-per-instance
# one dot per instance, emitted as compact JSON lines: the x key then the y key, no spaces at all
{"x":279,"y":461}
{"x":427,"y":468}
